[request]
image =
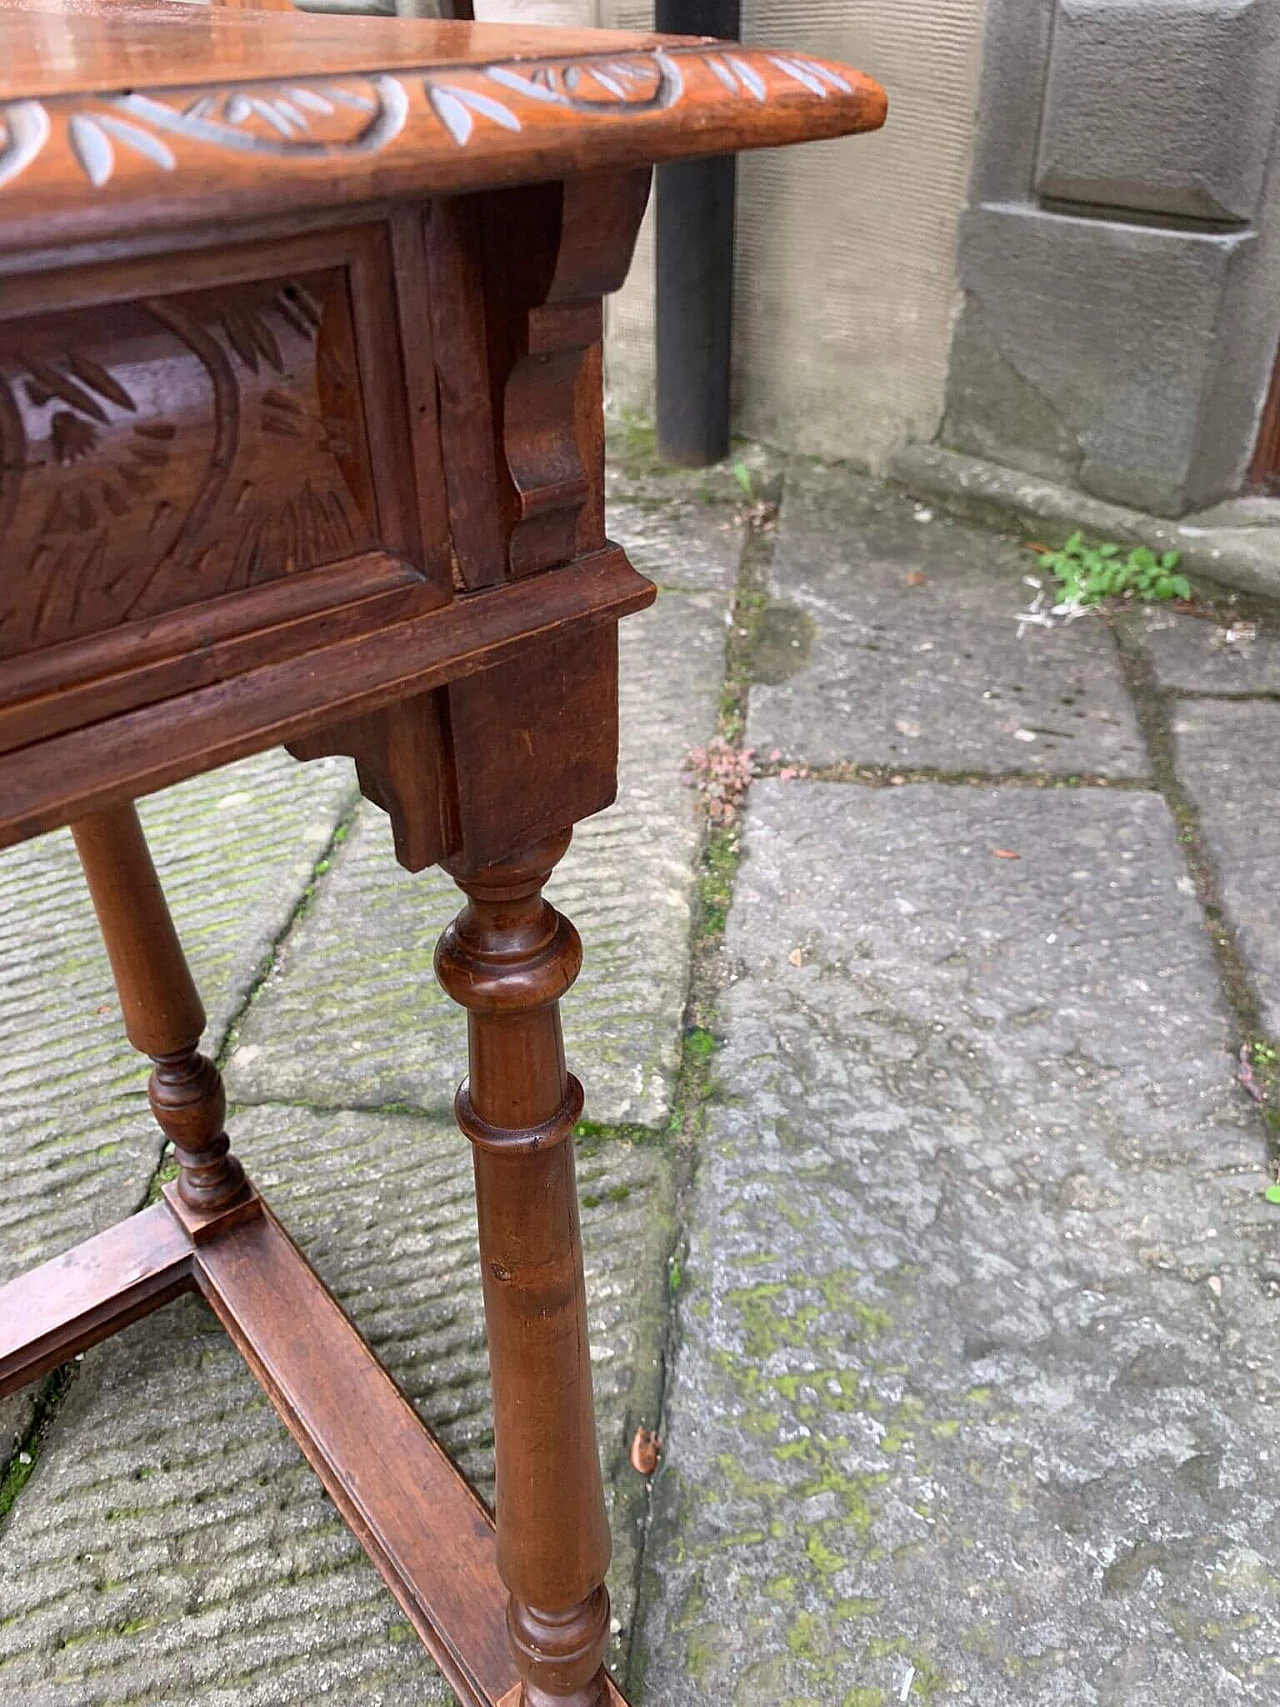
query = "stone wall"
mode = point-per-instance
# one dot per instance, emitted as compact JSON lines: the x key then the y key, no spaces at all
{"x":845,"y":267}
{"x":1120,"y":260}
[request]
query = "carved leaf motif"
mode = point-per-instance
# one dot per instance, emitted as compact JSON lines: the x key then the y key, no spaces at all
{"x":92,"y":148}
{"x":109,"y":511}
{"x":72,"y":437}
{"x":635,"y":84}
{"x":747,"y":75}
{"x":811,"y":74}
{"x":90,"y":137}
{"x":262,"y":120}
{"x":363,"y":115}
{"x":25,"y":132}
{"x":454,"y":106}
{"x":141,"y":141}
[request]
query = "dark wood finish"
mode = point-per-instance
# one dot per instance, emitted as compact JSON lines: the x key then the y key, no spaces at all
{"x":146,"y":432}
{"x":508,"y":958}
{"x":93,"y":767}
{"x":403,"y":765}
{"x":301,"y":441}
{"x":558,"y":704}
{"x":393,"y":1482}
{"x":517,"y":280}
{"x":90,"y":1292}
{"x":60,"y":688}
{"x":163,"y":1014}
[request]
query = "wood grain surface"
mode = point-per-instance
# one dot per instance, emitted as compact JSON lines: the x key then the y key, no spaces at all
{"x":116,"y":120}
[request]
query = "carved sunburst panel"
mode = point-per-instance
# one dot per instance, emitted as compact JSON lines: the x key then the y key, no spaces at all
{"x":161,"y":453}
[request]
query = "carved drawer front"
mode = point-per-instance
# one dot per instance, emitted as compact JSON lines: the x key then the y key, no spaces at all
{"x":166,"y":451}
{"x":206,"y":466}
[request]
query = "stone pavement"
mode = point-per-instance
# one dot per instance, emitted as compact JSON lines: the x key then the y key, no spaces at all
{"x":952,"y":1278}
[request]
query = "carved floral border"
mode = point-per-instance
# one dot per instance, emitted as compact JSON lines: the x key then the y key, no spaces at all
{"x":304,"y":119}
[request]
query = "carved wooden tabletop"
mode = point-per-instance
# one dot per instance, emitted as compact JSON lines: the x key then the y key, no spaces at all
{"x":116,"y":118}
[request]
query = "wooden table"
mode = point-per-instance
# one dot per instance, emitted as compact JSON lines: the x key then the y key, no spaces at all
{"x":301,"y":443}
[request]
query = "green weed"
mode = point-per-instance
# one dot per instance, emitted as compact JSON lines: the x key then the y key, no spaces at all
{"x":1088,"y":574}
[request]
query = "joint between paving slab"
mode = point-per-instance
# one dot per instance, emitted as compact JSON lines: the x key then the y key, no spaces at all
{"x":53,"y":1391}
{"x":849,"y":771}
{"x":21,"y":1465}
{"x":1151,"y":704}
{"x":271,"y":957}
{"x":1269,"y":696}
{"x":717,"y":872}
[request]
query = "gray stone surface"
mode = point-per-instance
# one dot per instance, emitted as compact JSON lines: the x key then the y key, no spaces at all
{"x":1127,"y":355}
{"x":353,"y":1016}
{"x":682,"y":543}
{"x":235,"y":851}
{"x":1111,"y":327}
{"x":1196,"y":656}
{"x":924,"y":676}
{"x":1229,"y":759}
{"x":1239,"y":550}
{"x":975,"y":1394}
{"x":1111,"y":134}
{"x":173,"y":1545}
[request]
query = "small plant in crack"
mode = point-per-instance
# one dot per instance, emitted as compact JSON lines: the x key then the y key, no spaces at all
{"x":758,"y":512}
{"x":1086,"y":575}
{"x":721,"y":774}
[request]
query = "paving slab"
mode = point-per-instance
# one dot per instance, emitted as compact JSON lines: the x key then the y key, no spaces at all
{"x":235,"y":851}
{"x":1228,"y":756}
{"x":353,"y":1016}
{"x":862,"y":661}
{"x":975,"y":1396}
{"x":680,"y":542}
{"x":1195,"y":655}
{"x":173,"y":1545}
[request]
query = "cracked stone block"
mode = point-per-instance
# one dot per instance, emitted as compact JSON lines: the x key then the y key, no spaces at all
{"x":975,"y":1395}
{"x":1196,"y":656}
{"x":173,"y":1547}
{"x":353,"y":1016}
{"x":1228,"y":755}
{"x":861,"y":661}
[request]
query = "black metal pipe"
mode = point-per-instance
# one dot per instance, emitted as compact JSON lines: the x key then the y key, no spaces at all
{"x":695,"y":219}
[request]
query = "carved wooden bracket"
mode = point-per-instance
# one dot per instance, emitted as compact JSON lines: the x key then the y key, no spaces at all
{"x":551,"y":427}
{"x":517,"y":279}
{"x":402,"y":765}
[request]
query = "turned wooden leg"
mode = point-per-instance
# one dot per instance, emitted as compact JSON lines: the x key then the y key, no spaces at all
{"x":508,"y":958}
{"x":163,"y":1014}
